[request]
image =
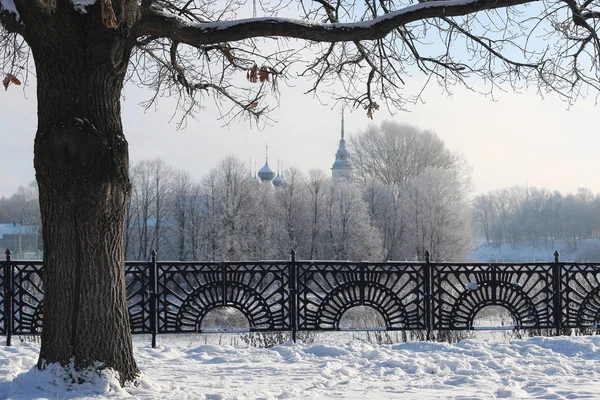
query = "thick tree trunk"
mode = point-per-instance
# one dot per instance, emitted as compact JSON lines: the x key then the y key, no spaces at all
{"x":81,"y":163}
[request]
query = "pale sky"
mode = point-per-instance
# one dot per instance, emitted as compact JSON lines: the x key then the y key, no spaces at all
{"x":518,"y":139}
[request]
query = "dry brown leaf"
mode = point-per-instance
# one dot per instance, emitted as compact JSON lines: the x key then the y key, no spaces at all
{"x":8,"y":79}
{"x":228,"y":55}
{"x":371,"y":109}
{"x":252,"y":75}
{"x":263,"y":74}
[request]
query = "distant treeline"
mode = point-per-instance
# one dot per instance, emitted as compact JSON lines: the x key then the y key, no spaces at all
{"x":396,"y":208}
{"x":409,"y":195}
{"x":21,"y":207}
{"x":528,"y":216}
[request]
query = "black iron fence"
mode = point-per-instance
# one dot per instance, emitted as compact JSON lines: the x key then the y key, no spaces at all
{"x":175,"y":297}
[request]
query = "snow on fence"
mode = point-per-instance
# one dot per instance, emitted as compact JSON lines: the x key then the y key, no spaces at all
{"x":296,"y":295}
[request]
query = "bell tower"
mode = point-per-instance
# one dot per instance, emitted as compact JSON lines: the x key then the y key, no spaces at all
{"x":342,"y":167}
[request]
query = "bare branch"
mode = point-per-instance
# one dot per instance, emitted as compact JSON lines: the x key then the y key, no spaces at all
{"x":155,"y":22}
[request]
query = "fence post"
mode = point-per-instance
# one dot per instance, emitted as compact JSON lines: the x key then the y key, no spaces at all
{"x":153,"y":290}
{"x":556,"y":295}
{"x":427,"y":277}
{"x":293,"y":293}
{"x":8,"y":306}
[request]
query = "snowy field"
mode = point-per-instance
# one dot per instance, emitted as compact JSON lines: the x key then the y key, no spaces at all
{"x":183,"y":367}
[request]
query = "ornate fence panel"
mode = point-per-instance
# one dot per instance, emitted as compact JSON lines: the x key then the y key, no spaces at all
{"x":137,"y":283}
{"x":28,"y":296}
{"x":176,"y":297}
{"x":580,"y":295}
{"x":3,"y":299}
{"x":327,"y":290}
{"x":189,"y":291}
{"x":460,"y":291}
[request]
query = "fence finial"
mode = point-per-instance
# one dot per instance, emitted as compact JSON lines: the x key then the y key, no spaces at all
{"x":556,"y":255}
{"x":8,"y":253}
{"x":427,"y":256}
{"x":293,"y":255}
{"x":153,"y":253}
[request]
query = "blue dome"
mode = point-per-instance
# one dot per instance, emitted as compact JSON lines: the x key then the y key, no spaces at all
{"x":278,"y":181}
{"x":266,"y":173}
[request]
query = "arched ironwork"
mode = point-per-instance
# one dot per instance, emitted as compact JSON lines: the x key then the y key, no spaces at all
{"x":580,"y":295}
{"x":188,"y":291}
{"x":27,"y":300}
{"x":206,"y":298}
{"x":459,"y":291}
{"x":510,"y":296}
{"x":327,"y":290}
{"x":171,"y":297}
{"x":137,"y":279}
{"x":348,"y":295}
{"x":589,"y":312}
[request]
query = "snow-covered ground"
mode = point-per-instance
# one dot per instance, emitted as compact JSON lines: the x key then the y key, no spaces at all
{"x":183,"y":368}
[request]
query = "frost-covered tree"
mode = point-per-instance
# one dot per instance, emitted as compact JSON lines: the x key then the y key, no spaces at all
{"x":83,"y":51}
{"x":349,"y":231}
{"x":233,"y":199}
{"x":291,"y":214}
{"x":439,"y":216}
{"x":393,"y":153}
{"x":182,"y":210}
{"x":529,"y":216}
{"x":389,"y":213}
{"x":23,"y":206}
{"x":316,"y":186}
{"x":148,"y":219}
{"x":399,"y":166}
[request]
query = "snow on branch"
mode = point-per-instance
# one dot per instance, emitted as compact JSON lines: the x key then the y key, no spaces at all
{"x":160,"y":23}
{"x":9,"y":17}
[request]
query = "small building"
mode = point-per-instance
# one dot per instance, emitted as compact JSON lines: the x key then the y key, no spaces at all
{"x":21,"y":239}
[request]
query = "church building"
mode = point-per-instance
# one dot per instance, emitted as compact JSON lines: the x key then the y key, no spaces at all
{"x":341,"y":171}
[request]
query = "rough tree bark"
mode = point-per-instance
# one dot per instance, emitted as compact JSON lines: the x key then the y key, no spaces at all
{"x":82,"y":168}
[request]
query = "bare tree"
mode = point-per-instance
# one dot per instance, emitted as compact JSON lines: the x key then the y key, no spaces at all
{"x":197,"y":221}
{"x":348,"y":226}
{"x":23,"y":206}
{"x":149,"y":209}
{"x":239,"y":224}
{"x":439,"y":216}
{"x":388,"y":211}
{"x":139,"y":213}
{"x":291,"y":212}
{"x":537,"y":217}
{"x":484,"y":215}
{"x":182,"y":204}
{"x":393,"y":153}
{"x":316,"y":184}
{"x":83,"y":51}
{"x":398,"y":161}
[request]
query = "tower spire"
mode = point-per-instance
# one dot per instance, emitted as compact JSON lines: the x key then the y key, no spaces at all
{"x":266,"y":152}
{"x":342,"y":167}
{"x":342,"y":123}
